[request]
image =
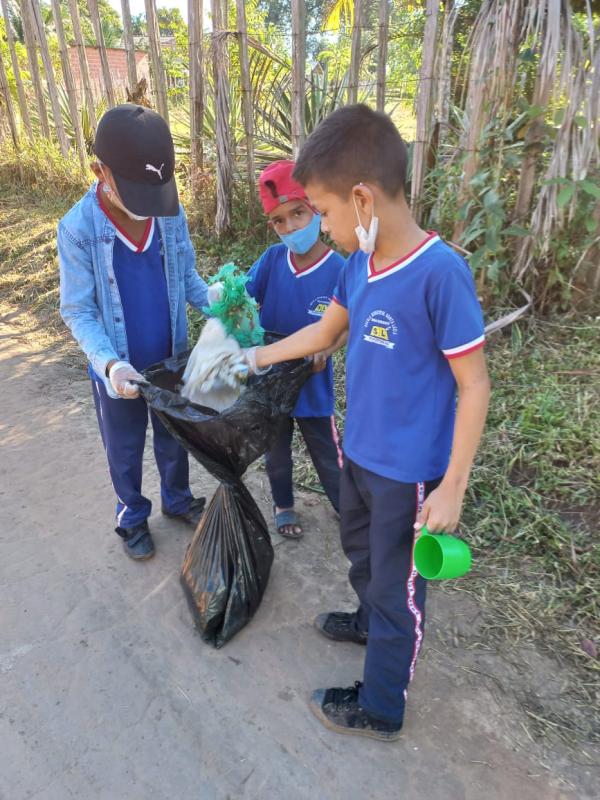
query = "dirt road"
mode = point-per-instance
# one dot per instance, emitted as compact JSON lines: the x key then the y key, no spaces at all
{"x":107,"y":691}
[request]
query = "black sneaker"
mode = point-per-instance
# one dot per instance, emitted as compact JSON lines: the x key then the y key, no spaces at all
{"x":339,"y":710}
{"x":137,"y":541}
{"x":340,"y":626}
{"x":192,"y":515}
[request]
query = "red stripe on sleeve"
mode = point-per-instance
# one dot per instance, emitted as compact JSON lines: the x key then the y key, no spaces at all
{"x":465,"y":352}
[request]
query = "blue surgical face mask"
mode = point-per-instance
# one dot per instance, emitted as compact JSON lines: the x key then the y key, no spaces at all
{"x":301,"y":241}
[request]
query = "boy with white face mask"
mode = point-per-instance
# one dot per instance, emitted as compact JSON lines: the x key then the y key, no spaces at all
{"x":293,"y":283}
{"x":127,"y":271}
{"x":415,"y":336}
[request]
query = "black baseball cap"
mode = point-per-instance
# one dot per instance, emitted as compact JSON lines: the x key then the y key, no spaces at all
{"x":137,"y":145}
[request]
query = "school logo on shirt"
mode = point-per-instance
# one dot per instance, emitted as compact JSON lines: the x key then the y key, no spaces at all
{"x":318,"y":306}
{"x":380,"y":328}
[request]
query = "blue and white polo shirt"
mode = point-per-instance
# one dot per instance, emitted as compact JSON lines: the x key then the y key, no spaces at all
{"x":140,"y":275}
{"x":406,"y":321}
{"x":290,"y":299}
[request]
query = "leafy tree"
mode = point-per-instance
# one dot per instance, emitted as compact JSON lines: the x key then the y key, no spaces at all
{"x":138,"y":24}
{"x":175,"y":54}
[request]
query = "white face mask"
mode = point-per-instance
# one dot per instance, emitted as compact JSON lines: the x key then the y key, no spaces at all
{"x":366,"y":239}
{"x":116,"y":201}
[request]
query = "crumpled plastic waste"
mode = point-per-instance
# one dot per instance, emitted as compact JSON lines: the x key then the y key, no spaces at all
{"x":234,"y":307}
{"x":216,"y":371}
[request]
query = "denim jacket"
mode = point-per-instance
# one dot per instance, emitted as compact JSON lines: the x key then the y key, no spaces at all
{"x":90,"y":304}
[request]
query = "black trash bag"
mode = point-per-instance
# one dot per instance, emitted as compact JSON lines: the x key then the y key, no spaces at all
{"x":227,"y":565}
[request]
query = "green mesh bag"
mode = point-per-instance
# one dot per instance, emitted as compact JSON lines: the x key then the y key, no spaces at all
{"x":236,"y":309}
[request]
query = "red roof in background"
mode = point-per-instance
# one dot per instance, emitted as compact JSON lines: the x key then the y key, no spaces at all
{"x":117,"y":61}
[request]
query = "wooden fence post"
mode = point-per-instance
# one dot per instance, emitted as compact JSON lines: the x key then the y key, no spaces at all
{"x":84,"y":71}
{"x":34,"y":68}
{"x":223,"y":135}
{"x":23,"y":107}
{"x":107,"y":79}
{"x":444,"y":70}
{"x":129,"y":45}
{"x":156,"y":62}
{"x":424,"y":105}
{"x":8,"y":105}
{"x":40,"y":33}
{"x":196,"y":53}
{"x":382,"y":43}
{"x":354,"y":74}
{"x":69,"y":84}
{"x":298,"y":74}
{"x":242,"y":33}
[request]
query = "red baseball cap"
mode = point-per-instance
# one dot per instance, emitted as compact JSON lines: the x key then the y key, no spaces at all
{"x":276,"y":185}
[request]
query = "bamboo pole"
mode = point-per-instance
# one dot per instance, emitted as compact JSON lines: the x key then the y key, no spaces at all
{"x":223,"y":135}
{"x":382,"y":43}
{"x":497,"y":33}
{"x":106,"y":76}
{"x":69,"y":83}
{"x":129,"y":45}
{"x":8,"y":105}
{"x":156,"y":62}
{"x":196,"y":58}
{"x":40,"y":33}
{"x":353,"y":75}
{"x":242,"y":33}
{"x":298,"y":74}
{"x":84,"y":70}
{"x":545,"y":81}
{"x":34,"y":67}
{"x":23,"y":107}
{"x":444,"y":70}
{"x":424,"y":105}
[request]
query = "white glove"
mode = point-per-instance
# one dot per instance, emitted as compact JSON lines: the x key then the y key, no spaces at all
{"x":215,"y":293}
{"x":250,"y":358}
{"x":121,"y":376}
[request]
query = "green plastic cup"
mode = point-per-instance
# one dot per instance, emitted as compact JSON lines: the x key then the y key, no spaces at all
{"x":439,"y":556}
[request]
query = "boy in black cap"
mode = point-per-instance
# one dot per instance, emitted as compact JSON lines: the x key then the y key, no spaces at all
{"x":127,"y":271}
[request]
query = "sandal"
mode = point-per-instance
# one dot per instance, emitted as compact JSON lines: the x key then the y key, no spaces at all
{"x":287,"y":524}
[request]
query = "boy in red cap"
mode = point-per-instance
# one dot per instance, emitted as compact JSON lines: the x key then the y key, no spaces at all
{"x":293,"y":283}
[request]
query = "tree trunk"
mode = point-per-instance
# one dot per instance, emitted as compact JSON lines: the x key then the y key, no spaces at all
{"x":246,"y":100}
{"x":298,"y":74}
{"x":69,"y":84}
{"x":23,"y":107}
{"x":84,"y":71}
{"x":424,"y":107}
{"x":156,"y":62}
{"x":129,"y":46}
{"x":354,"y":73}
{"x":40,"y":33}
{"x":6,"y":98}
{"x":223,"y":135}
{"x":196,"y":45}
{"x":382,"y":43}
{"x":106,"y":76}
{"x":34,"y":68}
